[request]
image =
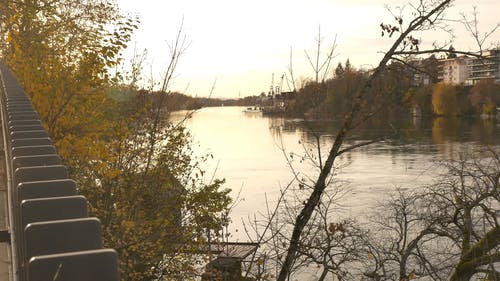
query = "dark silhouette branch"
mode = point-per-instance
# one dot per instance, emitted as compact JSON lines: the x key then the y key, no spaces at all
{"x":320,"y":185}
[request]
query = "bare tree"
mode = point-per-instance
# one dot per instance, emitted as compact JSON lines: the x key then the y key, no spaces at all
{"x":323,"y":66}
{"x":291,"y":80}
{"x":426,"y":16}
{"x":465,"y":204}
{"x":335,"y":246}
{"x":397,"y":229}
{"x":409,"y":253}
{"x":447,"y":230}
{"x":176,"y":50}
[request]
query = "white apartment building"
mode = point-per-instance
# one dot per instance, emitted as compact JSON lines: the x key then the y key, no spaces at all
{"x":470,"y":70}
{"x":454,"y":70}
{"x":487,"y":68}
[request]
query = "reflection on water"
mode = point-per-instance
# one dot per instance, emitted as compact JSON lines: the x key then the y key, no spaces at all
{"x":437,"y":131}
{"x":250,"y":149}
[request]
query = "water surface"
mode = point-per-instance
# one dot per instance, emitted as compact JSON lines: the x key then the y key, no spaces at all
{"x":249,"y":152}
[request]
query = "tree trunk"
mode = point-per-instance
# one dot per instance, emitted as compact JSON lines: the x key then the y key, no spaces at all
{"x":320,"y":185}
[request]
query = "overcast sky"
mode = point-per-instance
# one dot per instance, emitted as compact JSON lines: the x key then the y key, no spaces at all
{"x":242,"y":43}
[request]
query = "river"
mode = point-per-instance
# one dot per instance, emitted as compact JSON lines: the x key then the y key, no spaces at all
{"x":249,"y":152}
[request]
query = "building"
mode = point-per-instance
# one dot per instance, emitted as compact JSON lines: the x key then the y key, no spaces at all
{"x":423,"y":71}
{"x":420,"y":78}
{"x":470,"y":70}
{"x":458,"y":70}
{"x":454,"y":70}
{"x":484,"y":68}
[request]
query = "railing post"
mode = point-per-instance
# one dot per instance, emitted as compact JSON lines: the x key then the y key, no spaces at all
{"x":50,"y":234}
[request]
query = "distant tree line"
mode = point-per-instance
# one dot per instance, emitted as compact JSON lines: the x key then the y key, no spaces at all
{"x":398,"y":93}
{"x":179,"y":101}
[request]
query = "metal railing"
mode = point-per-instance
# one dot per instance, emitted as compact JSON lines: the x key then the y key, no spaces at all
{"x":51,"y":235}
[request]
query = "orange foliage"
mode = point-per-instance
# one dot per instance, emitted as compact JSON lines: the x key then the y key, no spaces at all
{"x":444,"y":100}
{"x":485,"y":96}
{"x":61,"y":52}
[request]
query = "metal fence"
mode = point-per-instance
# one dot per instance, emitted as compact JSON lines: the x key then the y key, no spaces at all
{"x":51,"y":235}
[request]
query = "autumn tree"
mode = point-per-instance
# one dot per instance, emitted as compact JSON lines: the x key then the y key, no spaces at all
{"x":339,"y":70}
{"x":156,"y":216}
{"x":387,"y":93}
{"x":444,"y":100}
{"x":341,"y":90}
{"x":136,"y":168}
{"x":419,"y":98}
{"x":61,"y":51}
{"x":430,"y":68}
{"x":485,"y":96}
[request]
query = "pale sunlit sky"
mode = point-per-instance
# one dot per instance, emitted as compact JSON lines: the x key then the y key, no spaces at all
{"x":240,"y":44}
